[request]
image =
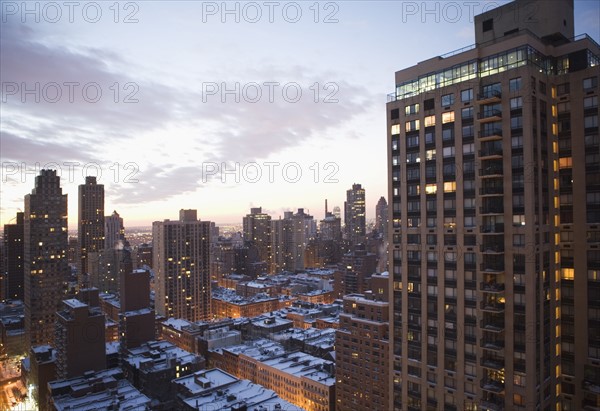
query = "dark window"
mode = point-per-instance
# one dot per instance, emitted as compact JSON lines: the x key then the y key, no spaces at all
{"x":488,"y":25}
{"x":395,"y":114}
{"x":429,"y":104}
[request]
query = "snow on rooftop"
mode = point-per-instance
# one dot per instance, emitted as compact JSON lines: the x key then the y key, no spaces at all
{"x":74,"y":303}
{"x":242,"y":391}
{"x":123,"y":397}
{"x":177,"y":323}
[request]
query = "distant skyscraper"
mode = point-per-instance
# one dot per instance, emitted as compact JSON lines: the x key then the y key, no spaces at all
{"x":303,"y":230}
{"x":114,"y":231}
{"x":337,"y":212}
{"x":46,"y":266}
{"x":282,"y":231}
{"x":14,"y":248}
{"x":330,"y":227}
{"x":182,"y":267}
{"x":494,"y":186}
{"x":354,"y":217}
{"x":257,"y":232}
{"x":381,"y":217}
{"x":90,"y":229}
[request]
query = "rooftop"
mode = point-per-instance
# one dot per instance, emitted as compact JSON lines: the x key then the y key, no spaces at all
{"x":155,"y":355}
{"x":216,"y":389}
{"x":74,"y":303}
{"x":122,"y":397}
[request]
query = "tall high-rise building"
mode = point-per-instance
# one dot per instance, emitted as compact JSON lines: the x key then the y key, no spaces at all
{"x":354,"y":215}
{"x":381,"y":217}
{"x":257,"y":232}
{"x":182,"y":267}
{"x":45,"y":256}
{"x":493,"y":179}
{"x":282,"y":231}
{"x":90,"y":228}
{"x":330,"y":227}
{"x":14,"y":248}
{"x":303,"y":230}
{"x":114,"y":230}
{"x":337,"y":212}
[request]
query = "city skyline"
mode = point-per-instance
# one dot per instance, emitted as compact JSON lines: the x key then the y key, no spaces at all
{"x":170,"y":140}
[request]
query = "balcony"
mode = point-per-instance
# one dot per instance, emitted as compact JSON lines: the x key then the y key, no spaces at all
{"x":492,"y":267}
{"x":591,"y":386}
{"x":491,"y":287}
{"x":491,"y":190}
{"x":493,"y":404}
{"x":497,"y":228}
{"x":490,"y":134}
{"x":491,"y":344}
{"x":492,"y":170}
{"x":492,"y":385}
{"x":493,"y":363}
{"x":487,"y":116}
{"x":492,"y":248}
{"x":491,"y":151}
{"x":487,"y":97}
{"x":492,"y":324}
{"x":492,"y":306}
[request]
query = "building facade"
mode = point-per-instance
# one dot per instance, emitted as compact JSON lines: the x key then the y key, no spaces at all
{"x":182,"y":267}
{"x":257,"y":231}
{"x":14,"y":249}
{"x":80,"y":339}
{"x":90,"y":224}
{"x":362,"y":354}
{"x":46,"y":266}
{"x":354,"y":216}
{"x":493,"y":180}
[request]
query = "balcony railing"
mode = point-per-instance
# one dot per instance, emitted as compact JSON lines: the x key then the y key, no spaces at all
{"x":494,"y":95}
{"x":490,"y":152}
{"x":491,"y":344}
{"x":492,"y":306}
{"x":492,"y":170}
{"x":491,"y":190}
{"x":492,"y":228}
{"x":492,"y":363}
{"x":493,"y":114}
{"x":492,"y":266}
{"x":491,"y":287}
{"x":492,"y":385}
{"x":490,"y":132}
{"x":492,"y":405}
{"x":492,"y":248}
{"x":492,"y":324}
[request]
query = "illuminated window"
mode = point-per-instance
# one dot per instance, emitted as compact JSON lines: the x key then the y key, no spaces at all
{"x":447,"y":117}
{"x":449,"y":186}
{"x":396,"y":129}
{"x":412,"y":109}
{"x":565,"y":162}
{"x":412,"y":125}
{"x":431,"y":188}
{"x":429,"y":121}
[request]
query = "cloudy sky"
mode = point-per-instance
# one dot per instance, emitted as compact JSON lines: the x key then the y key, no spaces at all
{"x":210,"y":105}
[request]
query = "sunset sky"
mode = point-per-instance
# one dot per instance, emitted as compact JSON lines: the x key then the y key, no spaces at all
{"x":163,"y":126}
